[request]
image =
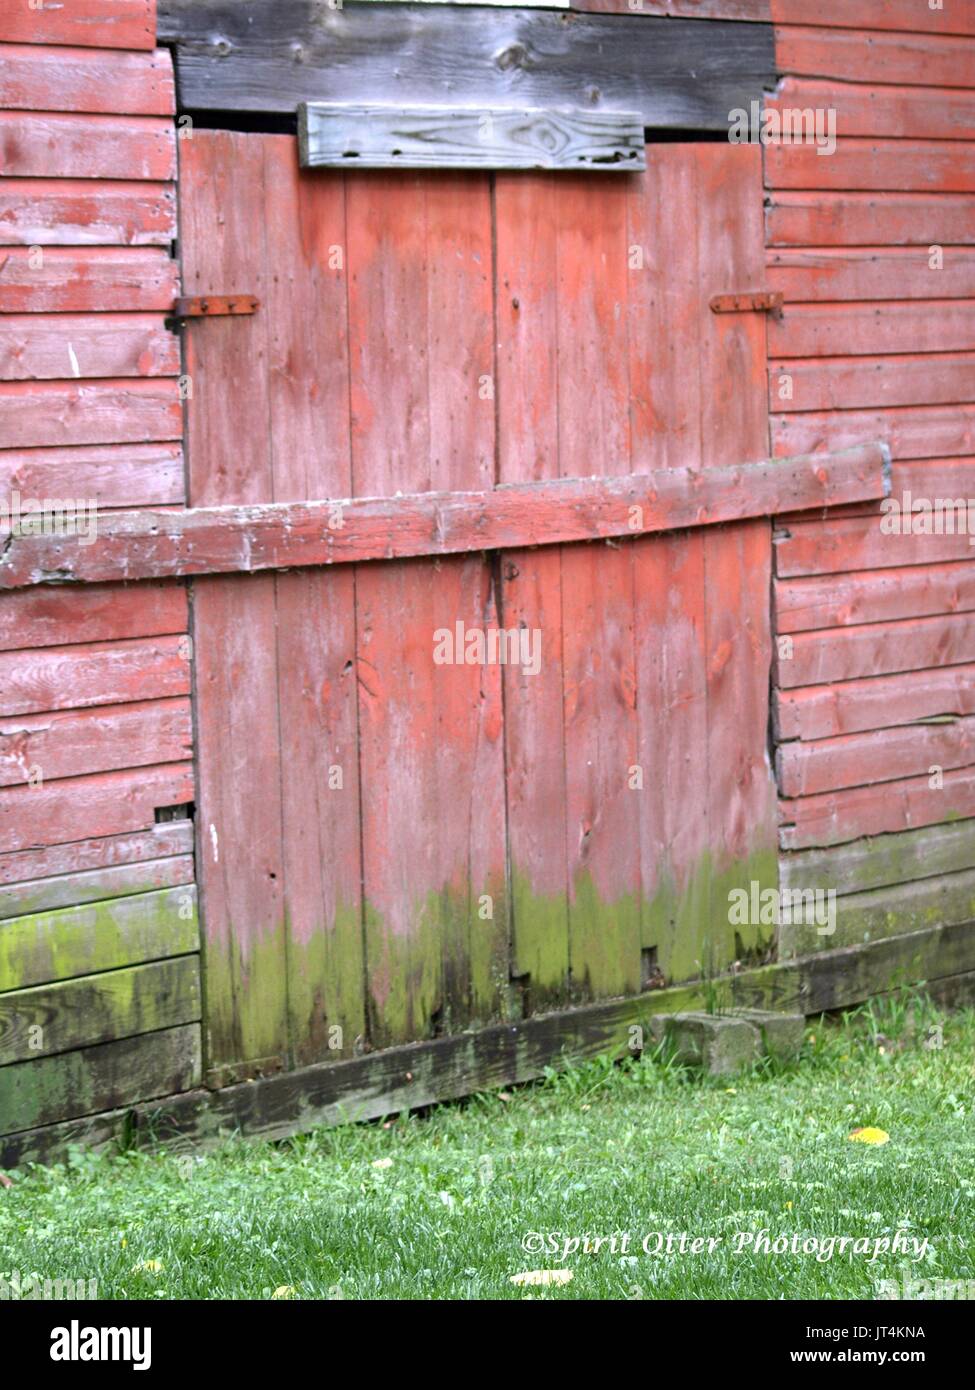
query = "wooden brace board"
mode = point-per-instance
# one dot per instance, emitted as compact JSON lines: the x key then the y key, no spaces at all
{"x":147,"y":544}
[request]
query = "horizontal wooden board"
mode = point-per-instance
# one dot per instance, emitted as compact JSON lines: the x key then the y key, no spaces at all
{"x":116,"y":410}
{"x":106,"y":803}
{"x":68,"y":942}
{"x":90,"y":23}
{"x":857,"y":383}
{"x":911,"y":432}
{"x":878,"y":702}
{"x":833,"y":817}
{"x":278,"y":535}
{"x":955,"y":992}
{"x":923,"y":59}
{"x":33,"y":78}
{"x":858,"y":543}
{"x":71,"y":743}
{"x":876,"y":649}
{"x":113,"y":475}
{"x":332,"y":136}
{"x":873,"y":329}
{"x":754,"y":11}
{"x":47,"y":347}
{"x":76,"y":212}
{"x":95,"y":885}
{"x":58,"y":617}
{"x":98,"y":673}
{"x":98,"y":1078}
{"x":907,"y":908}
{"x":873,"y":596}
{"x":886,"y":859}
{"x":903,"y":166}
{"x":877,"y":273}
{"x":948,"y":17}
{"x":869,"y":219}
{"x":884,"y":755}
{"x":240,"y":55}
{"x":53,"y":145}
{"x":51,"y":1019}
{"x":69,"y":862}
{"x":908,"y":113}
{"x":65,"y":281}
{"x":930,"y":478}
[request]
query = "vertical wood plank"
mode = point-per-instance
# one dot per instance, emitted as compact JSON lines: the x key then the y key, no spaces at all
{"x":743,"y":835}
{"x":316,"y":694}
{"x":599,"y":678}
{"x":665,"y":403}
{"x":420,"y":324}
{"x":528,"y":449}
{"x":240,"y":853}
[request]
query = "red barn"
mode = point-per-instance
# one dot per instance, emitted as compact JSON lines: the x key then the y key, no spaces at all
{"x":486,"y":559}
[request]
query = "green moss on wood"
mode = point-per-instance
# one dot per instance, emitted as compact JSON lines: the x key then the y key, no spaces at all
{"x":68,"y":942}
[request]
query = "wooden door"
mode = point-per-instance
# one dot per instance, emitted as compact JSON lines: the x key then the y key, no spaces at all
{"x":392,"y":848}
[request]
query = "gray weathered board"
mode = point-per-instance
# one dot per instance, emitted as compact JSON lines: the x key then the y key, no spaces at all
{"x":429,"y":137}
{"x":271,"y":55}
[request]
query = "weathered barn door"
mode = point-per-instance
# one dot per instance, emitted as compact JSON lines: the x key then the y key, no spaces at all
{"x":393,"y":847}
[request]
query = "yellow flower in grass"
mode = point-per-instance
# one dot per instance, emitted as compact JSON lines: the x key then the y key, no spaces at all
{"x":284,"y":1291}
{"x":869,"y":1135}
{"x":148,"y":1267}
{"x":543,"y":1276}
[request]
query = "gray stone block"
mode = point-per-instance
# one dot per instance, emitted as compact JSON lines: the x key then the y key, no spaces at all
{"x":781,"y":1034}
{"x":718,"y":1042}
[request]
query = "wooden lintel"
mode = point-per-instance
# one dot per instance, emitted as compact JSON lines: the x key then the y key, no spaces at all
{"x":346,"y":136}
{"x":146,"y":544}
{"x":271,"y":55}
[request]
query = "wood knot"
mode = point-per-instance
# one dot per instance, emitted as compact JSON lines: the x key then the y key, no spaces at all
{"x":514,"y":56}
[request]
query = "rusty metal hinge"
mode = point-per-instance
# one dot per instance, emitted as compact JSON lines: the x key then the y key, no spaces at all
{"x":761,"y":301}
{"x":208,"y":306}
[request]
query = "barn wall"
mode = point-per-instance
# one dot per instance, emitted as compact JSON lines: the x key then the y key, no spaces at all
{"x":99,"y":977}
{"x":875,"y":693}
{"x":99,"y":971}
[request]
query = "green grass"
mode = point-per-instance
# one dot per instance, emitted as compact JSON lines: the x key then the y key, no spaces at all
{"x":642,"y":1147}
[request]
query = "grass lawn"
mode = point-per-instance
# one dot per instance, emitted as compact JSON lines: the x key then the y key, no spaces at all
{"x":436,"y":1206}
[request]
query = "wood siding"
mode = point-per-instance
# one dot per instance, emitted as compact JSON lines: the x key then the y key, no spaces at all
{"x":871,"y":246}
{"x":99,"y":939}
